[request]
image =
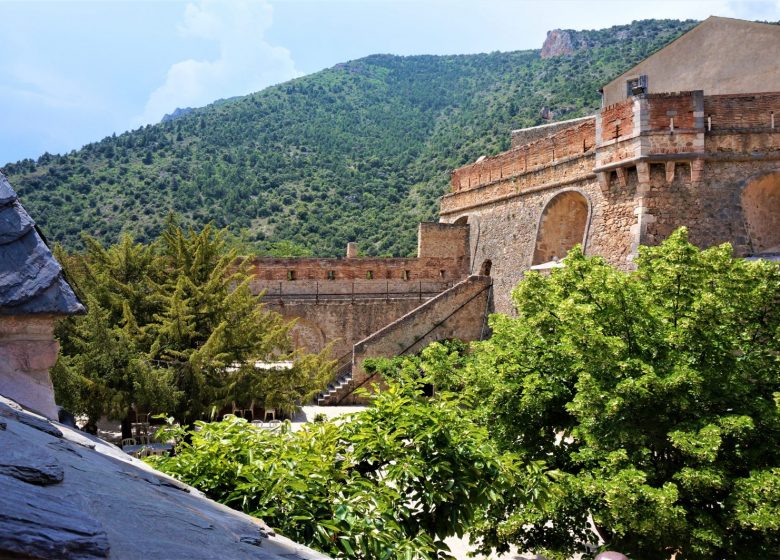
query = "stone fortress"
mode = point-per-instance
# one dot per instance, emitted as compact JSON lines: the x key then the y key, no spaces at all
{"x":689,"y":136}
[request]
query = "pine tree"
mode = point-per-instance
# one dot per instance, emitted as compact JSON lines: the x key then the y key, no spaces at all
{"x":104,"y":369}
{"x":174,"y":327}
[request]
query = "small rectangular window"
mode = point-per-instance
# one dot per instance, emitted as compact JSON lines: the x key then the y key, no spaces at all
{"x":291,"y":275}
{"x":331,"y":275}
{"x":370,"y":275}
{"x":636,"y":86}
{"x":442,"y":274}
{"x":405,"y":275}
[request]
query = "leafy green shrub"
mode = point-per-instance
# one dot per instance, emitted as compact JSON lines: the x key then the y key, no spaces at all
{"x":390,"y":483}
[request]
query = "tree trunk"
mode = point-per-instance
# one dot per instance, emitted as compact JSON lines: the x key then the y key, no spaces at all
{"x":127,"y":427}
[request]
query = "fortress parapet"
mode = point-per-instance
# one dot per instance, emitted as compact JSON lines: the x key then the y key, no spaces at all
{"x":626,"y":176}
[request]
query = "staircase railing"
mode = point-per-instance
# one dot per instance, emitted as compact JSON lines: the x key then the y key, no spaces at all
{"x":418,"y":340}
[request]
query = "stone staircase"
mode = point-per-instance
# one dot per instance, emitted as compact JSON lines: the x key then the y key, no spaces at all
{"x":342,"y":379}
{"x":458,"y":312}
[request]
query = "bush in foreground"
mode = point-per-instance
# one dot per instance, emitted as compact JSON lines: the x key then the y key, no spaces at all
{"x":392,"y":482}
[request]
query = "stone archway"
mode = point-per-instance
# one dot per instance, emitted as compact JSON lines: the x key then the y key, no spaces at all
{"x":308,"y":336}
{"x":563,"y":224}
{"x":761,"y":210}
{"x":463,"y":220}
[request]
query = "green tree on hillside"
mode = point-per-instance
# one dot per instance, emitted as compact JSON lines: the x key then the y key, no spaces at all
{"x":361,"y":151}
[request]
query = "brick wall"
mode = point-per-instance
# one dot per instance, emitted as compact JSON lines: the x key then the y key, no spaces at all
{"x":742,"y":111}
{"x":617,"y":120}
{"x":525,"y":136}
{"x":663,"y":107}
{"x":569,"y":142}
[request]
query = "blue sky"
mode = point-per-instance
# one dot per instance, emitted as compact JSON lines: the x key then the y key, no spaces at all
{"x":74,"y":72}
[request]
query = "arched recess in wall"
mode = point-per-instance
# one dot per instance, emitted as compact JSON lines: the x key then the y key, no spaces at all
{"x":761,"y":209}
{"x":307,"y":335}
{"x":463,"y":220}
{"x":563,"y":224}
{"x":487,"y":265}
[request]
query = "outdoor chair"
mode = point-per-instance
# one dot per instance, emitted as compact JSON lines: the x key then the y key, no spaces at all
{"x":270,"y":413}
{"x":128,"y":441}
{"x":249,"y":413}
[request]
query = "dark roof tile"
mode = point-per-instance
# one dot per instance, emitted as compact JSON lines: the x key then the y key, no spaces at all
{"x":31,"y":279}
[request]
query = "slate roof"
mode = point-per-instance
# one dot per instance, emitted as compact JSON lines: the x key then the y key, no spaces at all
{"x":31,"y":280}
{"x":67,"y":495}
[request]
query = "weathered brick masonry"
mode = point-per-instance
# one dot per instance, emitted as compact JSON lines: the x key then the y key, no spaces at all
{"x":343,"y":300}
{"x":711,"y":163}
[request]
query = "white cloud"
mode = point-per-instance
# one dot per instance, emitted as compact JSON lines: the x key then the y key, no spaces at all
{"x":245,"y":62}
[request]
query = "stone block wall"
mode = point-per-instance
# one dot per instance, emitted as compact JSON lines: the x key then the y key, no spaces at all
{"x":505,"y":231}
{"x":341,"y":322}
{"x":441,"y":240}
{"x":27,"y":351}
{"x":459,"y":312}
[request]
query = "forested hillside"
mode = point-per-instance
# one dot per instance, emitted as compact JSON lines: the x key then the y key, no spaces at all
{"x":360,"y":151}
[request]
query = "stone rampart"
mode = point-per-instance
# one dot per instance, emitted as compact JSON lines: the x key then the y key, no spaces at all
{"x":564,"y":144}
{"x":661,"y":161}
{"x":343,"y":300}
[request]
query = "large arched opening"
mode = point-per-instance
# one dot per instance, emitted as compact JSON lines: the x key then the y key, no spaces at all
{"x":308,"y":336}
{"x":563,"y":224}
{"x":463,"y":220}
{"x":761,"y":209}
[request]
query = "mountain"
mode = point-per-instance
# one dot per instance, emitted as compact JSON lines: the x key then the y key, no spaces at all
{"x":360,"y":151}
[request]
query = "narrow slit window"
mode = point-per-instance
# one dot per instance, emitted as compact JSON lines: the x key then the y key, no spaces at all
{"x":405,"y":275}
{"x":442,"y":274}
{"x":291,"y":275}
{"x":370,"y":275}
{"x":331,"y":275}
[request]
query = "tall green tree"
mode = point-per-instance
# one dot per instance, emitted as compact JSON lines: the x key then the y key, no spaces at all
{"x":653,"y":394}
{"x":103,"y":368}
{"x":212,"y":325}
{"x":173,"y":326}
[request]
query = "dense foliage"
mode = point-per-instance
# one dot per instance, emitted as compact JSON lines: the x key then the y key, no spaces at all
{"x":360,"y":151}
{"x":172,"y":326}
{"x":636,"y":411}
{"x":654,"y":395}
{"x":390,"y":483}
